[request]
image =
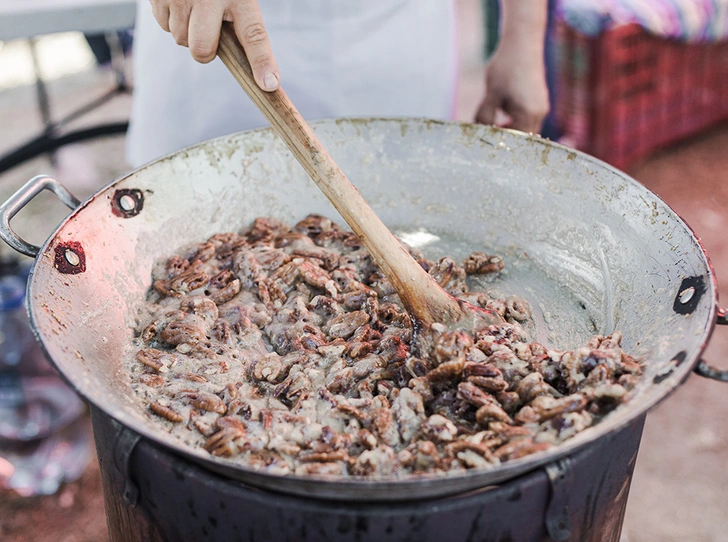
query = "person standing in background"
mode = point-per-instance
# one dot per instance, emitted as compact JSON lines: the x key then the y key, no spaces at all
{"x":337,"y":58}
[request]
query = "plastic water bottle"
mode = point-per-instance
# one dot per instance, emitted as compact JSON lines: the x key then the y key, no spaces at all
{"x":44,"y":439}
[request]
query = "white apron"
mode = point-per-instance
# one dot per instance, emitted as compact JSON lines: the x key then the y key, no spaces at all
{"x":336,"y":58}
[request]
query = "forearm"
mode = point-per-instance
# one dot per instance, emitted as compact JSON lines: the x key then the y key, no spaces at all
{"x":516,"y":76}
{"x":523,"y":24}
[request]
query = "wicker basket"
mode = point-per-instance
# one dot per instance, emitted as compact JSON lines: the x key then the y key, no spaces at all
{"x":625,"y":93}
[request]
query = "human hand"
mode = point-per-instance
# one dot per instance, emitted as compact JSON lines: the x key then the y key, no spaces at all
{"x":515,"y":85}
{"x":196,"y":24}
{"x":515,"y":79}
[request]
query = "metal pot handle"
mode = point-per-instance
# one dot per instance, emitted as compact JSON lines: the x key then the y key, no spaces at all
{"x":703,"y":369}
{"x":20,"y":199}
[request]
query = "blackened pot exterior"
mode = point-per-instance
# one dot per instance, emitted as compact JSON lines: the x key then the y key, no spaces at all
{"x":154,"y":495}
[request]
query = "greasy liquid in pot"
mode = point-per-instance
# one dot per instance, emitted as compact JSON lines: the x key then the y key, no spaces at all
{"x":561,"y":318}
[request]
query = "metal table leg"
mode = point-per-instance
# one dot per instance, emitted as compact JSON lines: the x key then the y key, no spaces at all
{"x":53,"y":136}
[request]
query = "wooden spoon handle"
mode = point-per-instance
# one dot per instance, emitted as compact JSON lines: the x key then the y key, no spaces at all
{"x":419,"y":292}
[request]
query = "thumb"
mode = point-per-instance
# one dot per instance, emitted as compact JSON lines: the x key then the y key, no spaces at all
{"x":251,"y":32}
{"x":486,"y":110}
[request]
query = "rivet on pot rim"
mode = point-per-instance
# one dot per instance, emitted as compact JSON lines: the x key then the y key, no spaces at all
{"x":687,"y":294}
{"x":71,"y":257}
{"x":127,"y":203}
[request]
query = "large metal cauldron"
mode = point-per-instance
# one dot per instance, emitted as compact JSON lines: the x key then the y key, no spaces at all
{"x":593,"y":251}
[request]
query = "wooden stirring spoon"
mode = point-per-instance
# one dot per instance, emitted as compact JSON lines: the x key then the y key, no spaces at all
{"x":421,"y":295}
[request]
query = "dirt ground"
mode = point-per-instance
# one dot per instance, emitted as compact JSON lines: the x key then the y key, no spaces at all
{"x":74,"y":514}
{"x":678,"y":492}
{"x":679,"y":485}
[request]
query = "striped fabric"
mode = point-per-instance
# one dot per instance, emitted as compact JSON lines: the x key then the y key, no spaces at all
{"x":687,"y":20}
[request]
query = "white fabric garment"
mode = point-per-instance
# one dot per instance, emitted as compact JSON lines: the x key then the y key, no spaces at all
{"x":336,"y":58}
